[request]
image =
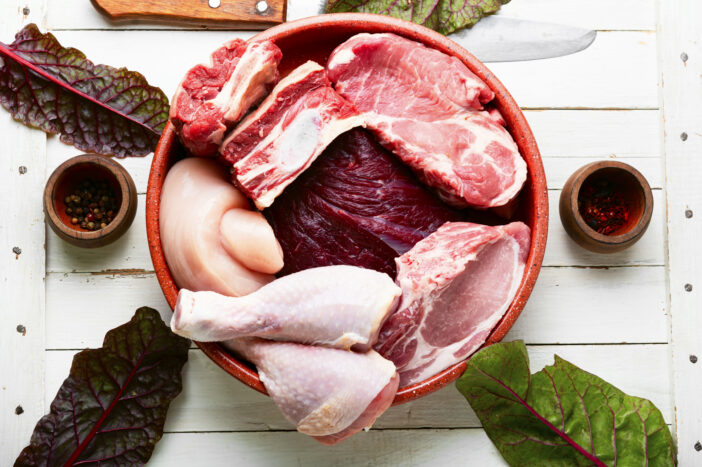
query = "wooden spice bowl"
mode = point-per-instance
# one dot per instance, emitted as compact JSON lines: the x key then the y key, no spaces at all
{"x":63,"y":182}
{"x":635,"y":194}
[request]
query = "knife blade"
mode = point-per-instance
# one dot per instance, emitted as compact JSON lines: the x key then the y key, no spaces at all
{"x":502,"y":39}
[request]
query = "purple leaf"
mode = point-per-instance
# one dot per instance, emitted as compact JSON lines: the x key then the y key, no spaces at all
{"x":561,"y":415}
{"x":112,"y":407}
{"x":96,"y":108}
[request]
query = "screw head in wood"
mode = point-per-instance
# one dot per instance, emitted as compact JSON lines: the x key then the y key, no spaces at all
{"x":261,"y":6}
{"x":688,"y":213}
{"x":683,"y":57}
{"x":19,"y":411}
{"x":698,"y":446}
{"x":688,"y":287}
{"x":683,"y":136}
{"x":22,"y":170}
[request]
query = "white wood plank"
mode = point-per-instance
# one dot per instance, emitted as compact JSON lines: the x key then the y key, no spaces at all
{"x":583,"y":305}
{"x":561,"y":250}
{"x":131,"y":252}
{"x":376,"y":448}
{"x":22,"y":261}
{"x":128,"y":253}
{"x":680,"y":33}
{"x":568,"y":305}
{"x":81,"y":308}
{"x":214,"y":401}
{"x":592,"y":14}
{"x":617,"y":71}
{"x":596,"y":133}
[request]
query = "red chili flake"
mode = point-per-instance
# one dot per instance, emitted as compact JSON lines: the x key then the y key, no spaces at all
{"x":602,"y":206}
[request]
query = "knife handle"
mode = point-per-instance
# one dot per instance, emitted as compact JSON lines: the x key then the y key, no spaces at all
{"x":248,"y":14}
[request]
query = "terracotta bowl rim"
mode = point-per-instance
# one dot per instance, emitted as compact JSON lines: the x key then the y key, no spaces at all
{"x":519,"y":128}
{"x":586,"y":171}
{"x":125,"y":212}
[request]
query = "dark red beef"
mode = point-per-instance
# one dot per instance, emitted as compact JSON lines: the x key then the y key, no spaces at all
{"x":358,"y":205}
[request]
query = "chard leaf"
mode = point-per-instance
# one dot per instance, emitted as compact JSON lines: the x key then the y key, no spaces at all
{"x":112,"y":407}
{"x":444,"y":16}
{"x":96,"y":108}
{"x":561,"y":415}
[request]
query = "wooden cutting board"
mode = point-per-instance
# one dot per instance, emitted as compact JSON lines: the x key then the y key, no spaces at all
{"x":240,"y":14}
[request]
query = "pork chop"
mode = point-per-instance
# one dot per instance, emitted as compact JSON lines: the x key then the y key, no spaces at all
{"x":427,"y":108}
{"x":456,"y":285}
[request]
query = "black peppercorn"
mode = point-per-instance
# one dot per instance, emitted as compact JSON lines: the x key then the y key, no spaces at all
{"x":91,"y":205}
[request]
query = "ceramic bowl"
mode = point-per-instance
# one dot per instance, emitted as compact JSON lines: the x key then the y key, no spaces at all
{"x":314,"y":39}
{"x":635,"y":192}
{"x":65,"y":179}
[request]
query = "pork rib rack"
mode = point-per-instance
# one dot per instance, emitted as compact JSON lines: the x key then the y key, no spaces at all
{"x":287,"y":132}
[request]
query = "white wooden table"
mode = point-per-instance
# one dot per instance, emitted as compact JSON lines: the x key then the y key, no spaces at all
{"x":610,"y":315}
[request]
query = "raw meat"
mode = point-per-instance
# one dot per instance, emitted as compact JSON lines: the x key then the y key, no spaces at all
{"x":328,"y":394}
{"x":196,"y":195}
{"x":358,"y":205}
{"x":335,"y":306}
{"x":426,"y":107}
{"x":212,"y":97}
{"x":456,"y":285}
{"x":292,"y":126}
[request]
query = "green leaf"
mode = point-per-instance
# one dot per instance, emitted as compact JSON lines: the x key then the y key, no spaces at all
{"x":112,"y":407}
{"x":561,"y":415}
{"x":444,"y":16}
